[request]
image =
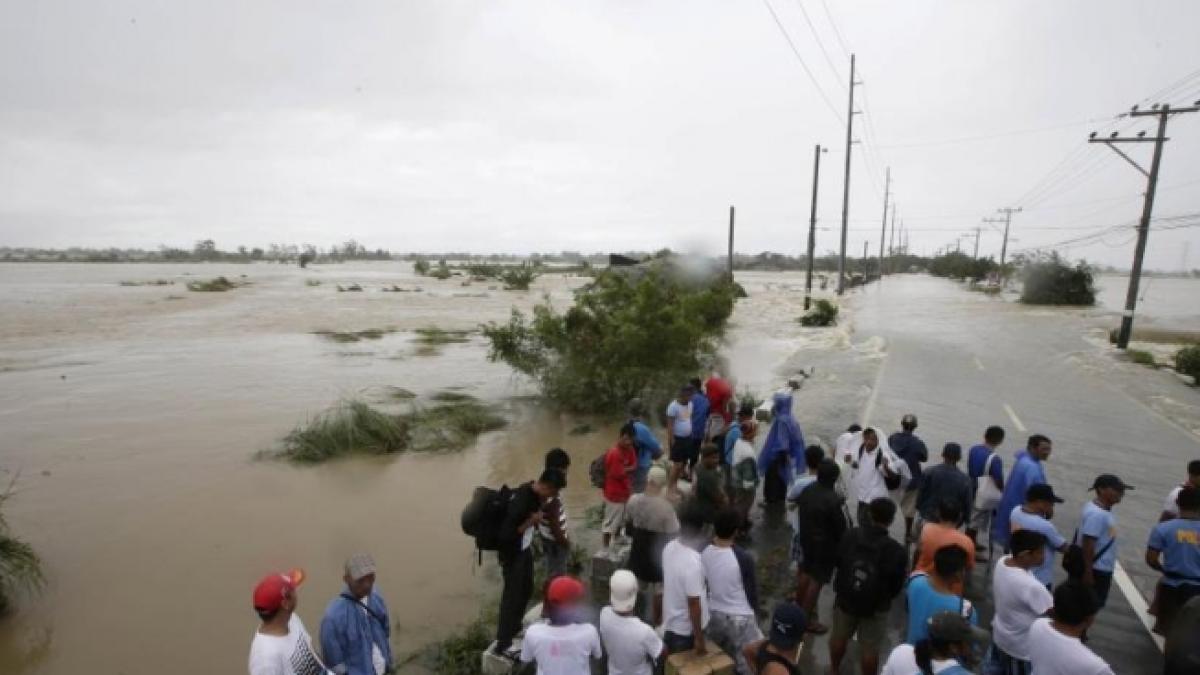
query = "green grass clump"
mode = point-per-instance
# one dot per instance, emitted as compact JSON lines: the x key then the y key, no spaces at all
{"x":218,"y":285}
{"x":822,"y":313}
{"x":459,"y":653}
{"x":451,"y":426}
{"x":152,"y":282}
{"x":433,"y":336}
{"x":353,"y":336}
{"x":312,"y":282}
{"x":351,"y":427}
{"x":1187,"y":361}
{"x":1140,"y":356}
{"x":20,"y":567}
{"x":447,"y":396}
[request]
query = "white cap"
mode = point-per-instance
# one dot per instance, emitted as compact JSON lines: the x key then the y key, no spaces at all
{"x":623,"y":590}
{"x":657,"y":475}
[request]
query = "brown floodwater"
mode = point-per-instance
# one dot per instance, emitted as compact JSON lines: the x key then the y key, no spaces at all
{"x":133,"y":413}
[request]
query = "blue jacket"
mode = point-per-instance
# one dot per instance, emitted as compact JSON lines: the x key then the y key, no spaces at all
{"x":1027,"y":471}
{"x":347,"y":633}
{"x":648,"y":447}
{"x":699,"y":415}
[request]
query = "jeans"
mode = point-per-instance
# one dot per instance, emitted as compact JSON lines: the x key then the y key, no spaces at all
{"x":677,"y":643}
{"x":517,"y":570}
{"x":731,"y":632}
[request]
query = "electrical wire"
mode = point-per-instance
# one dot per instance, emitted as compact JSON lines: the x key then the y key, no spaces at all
{"x":796,"y":52}
{"x":813,"y":29}
{"x":837,"y":32}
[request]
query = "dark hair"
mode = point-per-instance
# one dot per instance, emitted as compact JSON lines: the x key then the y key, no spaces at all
{"x":828,"y":472}
{"x":695,"y":383}
{"x":553,"y":477}
{"x":952,"y":451}
{"x":1074,"y":603}
{"x":948,"y":561}
{"x":1194,"y":467}
{"x":691,"y":520}
{"x":924,"y":651}
{"x":266,"y":616}
{"x":1036,"y":440}
{"x":726,"y":523}
{"x":709,"y":449}
{"x":1188,"y":499}
{"x":854,"y":428}
{"x":628,"y":430}
{"x":813,"y":455}
{"x":1026,"y":540}
{"x":949,"y":511}
{"x":557,"y":458}
{"x":870,"y":430}
{"x":994,"y":434}
{"x":908,"y":422}
{"x":883,"y":511}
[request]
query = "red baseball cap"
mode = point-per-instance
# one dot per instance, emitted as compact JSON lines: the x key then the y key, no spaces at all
{"x":564,"y":591}
{"x":270,"y":592}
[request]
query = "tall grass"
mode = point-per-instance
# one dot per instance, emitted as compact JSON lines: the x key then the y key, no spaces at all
{"x":20,"y":567}
{"x":351,"y":427}
{"x":218,"y":285}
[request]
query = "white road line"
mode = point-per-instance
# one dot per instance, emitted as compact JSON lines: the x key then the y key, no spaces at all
{"x":1137,"y":602}
{"x":870,"y":407}
{"x":979,"y":364}
{"x":1012,"y":415}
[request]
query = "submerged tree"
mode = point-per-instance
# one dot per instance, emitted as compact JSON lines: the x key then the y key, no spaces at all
{"x":635,"y":332}
{"x":1050,"y":280}
{"x":20,"y":566}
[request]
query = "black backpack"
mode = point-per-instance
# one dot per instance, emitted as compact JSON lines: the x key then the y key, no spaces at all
{"x":483,"y":516}
{"x":597,"y":472}
{"x":1072,"y":560}
{"x":859,"y":586}
{"x":891,"y":480}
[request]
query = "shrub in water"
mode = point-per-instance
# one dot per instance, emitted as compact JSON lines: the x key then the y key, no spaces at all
{"x":1187,"y":361}
{"x":1049,"y":280}
{"x":349,"y":428}
{"x":961,"y":266}
{"x":822,"y":313}
{"x":1140,"y":356}
{"x":218,"y":285}
{"x":518,"y":278}
{"x":20,"y":566}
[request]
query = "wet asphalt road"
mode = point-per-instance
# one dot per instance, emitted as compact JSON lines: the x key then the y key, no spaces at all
{"x":962,"y":361}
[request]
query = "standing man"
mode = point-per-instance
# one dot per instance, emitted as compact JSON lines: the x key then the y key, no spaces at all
{"x":1055,"y":647}
{"x":566,"y":644}
{"x":929,"y":594}
{"x":1170,"y":508}
{"x":720,"y":401}
{"x":939,"y":532}
{"x":745,"y":414}
{"x":708,"y":491}
{"x":632,"y":646}
{"x":356,"y":628}
{"x":700,"y":410}
{"x":912,"y":450}
{"x":620,"y":463}
{"x":870,"y":574}
{"x":281,"y":646}
{"x":521,"y":518}
{"x":1027,"y":471}
{"x":946,"y":483}
{"x":679,"y":443}
{"x":552,"y":531}
{"x":744,"y":470}
{"x":685,"y":599}
{"x":1098,"y":535}
{"x":651,"y":521}
{"x":822,"y":525}
{"x":732,"y":590}
{"x":1034,"y":515}
{"x":649,"y":450}
{"x":985,"y":464}
{"x":1020,"y":599}
{"x":1174,"y":550}
{"x":780,"y":652}
{"x":874,"y":467}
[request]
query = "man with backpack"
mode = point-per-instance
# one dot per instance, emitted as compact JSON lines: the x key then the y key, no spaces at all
{"x":552,"y":531}
{"x":870,"y":573}
{"x":620,"y":463}
{"x":355,"y":628}
{"x":985,"y":468}
{"x":822,"y":523}
{"x":877,"y":471}
{"x":910,"y":448}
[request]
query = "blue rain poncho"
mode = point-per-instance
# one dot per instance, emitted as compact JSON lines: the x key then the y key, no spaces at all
{"x":784,"y":438}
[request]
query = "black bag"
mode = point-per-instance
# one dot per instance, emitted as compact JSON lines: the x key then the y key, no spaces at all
{"x":484,"y":515}
{"x":891,"y":480}
{"x":1072,"y":560}
{"x":596,"y":471}
{"x":859,"y":586}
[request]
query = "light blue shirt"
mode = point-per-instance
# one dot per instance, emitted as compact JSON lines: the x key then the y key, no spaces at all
{"x":924,"y":602}
{"x":682,"y":414}
{"x":1179,"y":542}
{"x":1026,"y":472}
{"x":348,"y":630}
{"x":1101,"y":524}
{"x":1054,"y":541}
{"x":731,"y":437}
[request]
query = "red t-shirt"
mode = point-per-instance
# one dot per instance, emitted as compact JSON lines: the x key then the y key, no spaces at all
{"x":618,"y":484}
{"x":719,"y":392}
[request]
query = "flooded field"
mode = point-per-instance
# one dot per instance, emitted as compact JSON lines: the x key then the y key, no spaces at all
{"x":133,"y":414}
{"x":1171,"y":303}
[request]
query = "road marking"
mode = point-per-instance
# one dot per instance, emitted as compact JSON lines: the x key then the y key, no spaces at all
{"x":870,"y":407}
{"x":1137,"y":602}
{"x":979,"y":364}
{"x":1012,"y":415}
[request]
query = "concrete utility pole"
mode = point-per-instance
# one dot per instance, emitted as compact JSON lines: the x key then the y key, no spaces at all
{"x":865,"y":261}
{"x":812,"y":226}
{"x":841,"y":284}
{"x":887,"y":186}
{"x":977,"y":231}
{"x":892,"y":243}
{"x":731,"y":243}
{"x":1008,"y":211}
{"x":1163,"y":112}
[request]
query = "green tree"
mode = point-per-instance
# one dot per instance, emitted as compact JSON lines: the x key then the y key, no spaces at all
{"x":1049,"y":280}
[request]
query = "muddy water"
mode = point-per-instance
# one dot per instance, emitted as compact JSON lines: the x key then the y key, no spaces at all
{"x":133,"y":414}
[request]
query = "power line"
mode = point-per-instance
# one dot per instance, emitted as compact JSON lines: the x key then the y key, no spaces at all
{"x":813,"y":29}
{"x":812,"y":78}
{"x":838,"y":33}
{"x":987,"y":137}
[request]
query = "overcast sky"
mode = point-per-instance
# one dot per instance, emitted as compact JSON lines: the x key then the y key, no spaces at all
{"x":596,"y":126}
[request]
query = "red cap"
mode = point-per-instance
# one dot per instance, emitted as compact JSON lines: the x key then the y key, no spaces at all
{"x":563,"y":591}
{"x":270,"y":592}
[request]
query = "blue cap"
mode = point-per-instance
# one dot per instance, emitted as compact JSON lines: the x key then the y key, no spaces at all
{"x":787,"y":625}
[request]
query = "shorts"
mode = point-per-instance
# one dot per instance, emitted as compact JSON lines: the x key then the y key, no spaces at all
{"x":818,"y":566}
{"x":684,"y":450}
{"x":731,"y":632}
{"x":908,"y":503}
{"x":871,"y":630}
{"x":676,"y":643}
{"x":614,"y":517}
{"x":997,"y":662}
{"x":981,"y":520}
{"x":1102,"y":586}
{"x":1170,"y":600}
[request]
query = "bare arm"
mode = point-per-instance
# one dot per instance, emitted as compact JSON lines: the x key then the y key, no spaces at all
{"x":697,"y":617}
{"x":1153,"y":559}
{"x":1089,"y":558}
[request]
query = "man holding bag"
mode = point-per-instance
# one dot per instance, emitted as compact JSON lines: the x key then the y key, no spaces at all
{"x":986,"y":470}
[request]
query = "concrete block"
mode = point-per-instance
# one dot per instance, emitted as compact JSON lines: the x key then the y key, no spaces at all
{"x":715,"y":662}
{"x":492,"y":664}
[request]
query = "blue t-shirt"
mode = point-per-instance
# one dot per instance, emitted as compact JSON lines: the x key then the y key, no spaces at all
{"x":1101,"y":524}
{"x":924,"y":602}
{"x":731,"y":437}
{"x":1179,"y":542}
{"x":1027,"y":471}
{"x":977,"y":459}
{"x":647,"y":445}
{"x":699,"y":415}
{"x":1020,"y":520}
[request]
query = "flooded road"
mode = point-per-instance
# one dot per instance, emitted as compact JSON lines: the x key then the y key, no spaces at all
{"x":133,"y":419}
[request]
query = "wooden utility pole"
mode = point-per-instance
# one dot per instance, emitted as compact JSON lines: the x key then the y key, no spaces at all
{"x":864,"y":264}
{"x":887,"y":186}
{"x":731,"y":243}
{"x":978,"y":230}
{"x":841,"y":284}
{"x":812,"y":226}
{"x":1163,"y":113}
{"x":892,"y":243}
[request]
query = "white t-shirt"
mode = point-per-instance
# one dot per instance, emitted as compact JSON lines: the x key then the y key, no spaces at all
{"x":724,"y":578}
{"x":1020,"y":600}
{"x":902,"y":661}
{"x":868,"y":478}
{"x":1169,"y":505}
{"x":1053,"y":653}
{"x":631,"y":644}
{"x":290,"y":654}
{"x":561,"y":650}
{"x":682,"y":412}
{"x":683,"y":578}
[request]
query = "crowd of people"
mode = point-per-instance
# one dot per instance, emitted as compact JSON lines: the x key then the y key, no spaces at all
{"x":684,"y":505}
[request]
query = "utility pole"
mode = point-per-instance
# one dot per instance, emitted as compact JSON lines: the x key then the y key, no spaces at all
{"x":892,"y":243}
{"x":887,"y":186}
{"x":731,"y":243}
{"x":977,"y":231}
{"x":841,"y":284}
{"x":812,"y":226}
{"x":864,"y":265}
{"x":1008,"y":212}
{"x":1163,"y":112}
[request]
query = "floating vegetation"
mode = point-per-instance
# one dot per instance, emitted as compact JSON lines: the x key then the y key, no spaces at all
{"x":822,"y":313}
{"x":353,"y":336}
{"x":447,"y":396}
{"x":312,"y":282}
{"x":1140,"y":356}
{"x":451,"y":426}
{"x":352,"y":288}
{"x":152,"y":282}
{"x":218,"y":285}
{"x":176,"y":297}
{"x":439,"y":336}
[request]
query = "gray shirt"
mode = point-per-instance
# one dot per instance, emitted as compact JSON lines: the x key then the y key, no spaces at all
{"x":653,"y":513}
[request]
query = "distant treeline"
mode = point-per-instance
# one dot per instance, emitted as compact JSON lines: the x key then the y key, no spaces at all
{"x":205,"y":250}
